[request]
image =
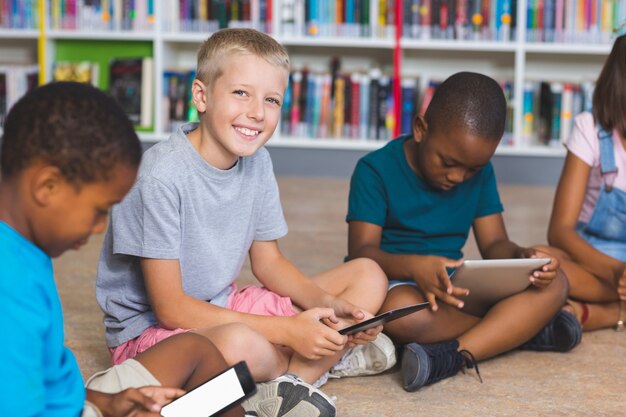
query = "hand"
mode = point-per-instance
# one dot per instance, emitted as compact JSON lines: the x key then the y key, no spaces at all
{"x":141,"y":402}
{"x":312,"y":333}
{"x":541,"y":277}
{"x":431,"y":276}
{"x":349,"y":314}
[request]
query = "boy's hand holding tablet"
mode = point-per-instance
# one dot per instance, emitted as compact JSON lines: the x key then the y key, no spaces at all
{"x":491,"y":280}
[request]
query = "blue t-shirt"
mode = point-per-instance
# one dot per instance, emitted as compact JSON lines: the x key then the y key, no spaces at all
{"x":416,"y":218}
{"x":39,"y":375}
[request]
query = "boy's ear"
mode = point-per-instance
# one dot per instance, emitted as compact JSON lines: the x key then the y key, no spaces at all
{"x":199,"y":95}
{"x":45,"y":184}
{"x":419,"y":128}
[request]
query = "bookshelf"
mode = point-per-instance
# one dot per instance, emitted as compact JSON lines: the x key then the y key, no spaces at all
{"x":516,"y":59}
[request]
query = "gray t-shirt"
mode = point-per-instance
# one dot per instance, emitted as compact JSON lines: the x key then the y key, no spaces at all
{"x":183,"y":208}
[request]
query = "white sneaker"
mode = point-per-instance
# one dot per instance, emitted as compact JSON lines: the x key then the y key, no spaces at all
{"x":289,"y":396}
{"x":368,"y":359}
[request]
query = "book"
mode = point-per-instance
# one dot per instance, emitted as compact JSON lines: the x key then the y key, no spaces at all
{"x":130,"y":83}
{"x":82,"y":72}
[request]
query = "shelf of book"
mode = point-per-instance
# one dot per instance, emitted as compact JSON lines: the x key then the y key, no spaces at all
{"x":513,"y":44}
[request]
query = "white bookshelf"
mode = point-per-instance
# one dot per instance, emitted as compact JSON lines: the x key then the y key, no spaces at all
{"x":515,"y":60}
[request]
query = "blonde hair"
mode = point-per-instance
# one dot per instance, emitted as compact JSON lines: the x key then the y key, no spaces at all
{"x":227,"y":42}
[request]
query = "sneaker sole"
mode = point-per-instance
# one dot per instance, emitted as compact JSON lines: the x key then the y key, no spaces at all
{"x":415,"y":367}
{"x":293,"y":400}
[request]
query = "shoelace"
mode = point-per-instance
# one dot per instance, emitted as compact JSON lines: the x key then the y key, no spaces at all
{"x":470,"y":362}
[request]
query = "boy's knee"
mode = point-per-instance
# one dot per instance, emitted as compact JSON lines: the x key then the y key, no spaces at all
{"x":368,"y":269}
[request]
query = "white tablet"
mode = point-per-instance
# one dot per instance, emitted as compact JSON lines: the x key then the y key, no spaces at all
{"x":492,"y":280}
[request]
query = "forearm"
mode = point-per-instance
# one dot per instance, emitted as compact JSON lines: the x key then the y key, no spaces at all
{"x":502,"y":249}
{"x":395,"y":266}
{"x":190,"y":313}
{"x":284,"y":278}
{"x":568,"y":240}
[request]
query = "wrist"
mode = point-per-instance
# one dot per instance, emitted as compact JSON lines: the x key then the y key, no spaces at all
{"x":97,"y":404}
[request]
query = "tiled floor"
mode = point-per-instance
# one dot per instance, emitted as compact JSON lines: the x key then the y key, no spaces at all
{"x":589,"y":381}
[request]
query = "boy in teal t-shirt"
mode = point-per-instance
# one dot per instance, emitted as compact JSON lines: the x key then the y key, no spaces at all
{"x":68,"y":154}
{"x":411,"y":207}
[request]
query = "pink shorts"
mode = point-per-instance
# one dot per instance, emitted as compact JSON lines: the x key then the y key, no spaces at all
{"x":250,"y":299}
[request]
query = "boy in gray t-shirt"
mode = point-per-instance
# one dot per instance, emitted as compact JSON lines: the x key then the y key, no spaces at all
{"x":203,"y":201}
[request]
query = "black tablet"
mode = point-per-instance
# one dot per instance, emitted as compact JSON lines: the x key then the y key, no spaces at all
{"x":383,"y":318}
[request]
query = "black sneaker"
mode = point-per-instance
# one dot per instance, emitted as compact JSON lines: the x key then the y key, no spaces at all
{"x":562,"y":334}
{"x":426,"y":364}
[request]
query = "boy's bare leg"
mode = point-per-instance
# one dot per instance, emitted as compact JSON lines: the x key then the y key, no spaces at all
{"x":186,"y":360}
{"x":362,"y":283}
{"x":507,"y":325}
{"x":515,"y":320}
{"x":234,"y":340}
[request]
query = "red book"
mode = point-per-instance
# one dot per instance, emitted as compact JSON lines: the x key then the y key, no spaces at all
{"x":355,"y":109}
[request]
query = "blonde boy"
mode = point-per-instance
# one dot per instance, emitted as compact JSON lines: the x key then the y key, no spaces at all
{"x":204,"y":200}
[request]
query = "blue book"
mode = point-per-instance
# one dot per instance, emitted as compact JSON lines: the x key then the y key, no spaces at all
{"x":549,"y":20}
{"x":285,"y":111}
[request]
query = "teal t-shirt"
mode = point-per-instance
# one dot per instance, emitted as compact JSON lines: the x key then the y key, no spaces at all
{"x":40,"y":376}
{"x":416,"y":218}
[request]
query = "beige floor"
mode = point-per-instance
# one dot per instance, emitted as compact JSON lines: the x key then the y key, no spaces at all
{"x":589,"y":381}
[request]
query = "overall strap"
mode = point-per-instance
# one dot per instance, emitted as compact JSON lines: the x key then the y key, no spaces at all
{"x":607,"y":158}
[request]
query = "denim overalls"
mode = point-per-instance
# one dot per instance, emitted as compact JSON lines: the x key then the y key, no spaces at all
{"x":606,"y":230}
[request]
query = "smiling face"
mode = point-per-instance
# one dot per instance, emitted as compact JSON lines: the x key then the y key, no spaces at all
{"x":449,"y":156}
{"x":241,"y":111}
{"x":64,"y":216}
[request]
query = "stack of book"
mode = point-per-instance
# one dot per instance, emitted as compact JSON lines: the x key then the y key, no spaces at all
{"x":337,"y":18}
{"x":345,"y":105}
{"x":487,"y":20}
{"x":212,"y":15}
{"x":19,"y":14}
{"x":573,"y":20}
{"x":178,"y":107}
{"x":101,"y":14}
{"x":15,"y":81}
{"x":549,"y":109}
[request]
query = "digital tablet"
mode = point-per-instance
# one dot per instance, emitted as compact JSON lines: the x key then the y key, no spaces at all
{"x":492,"y":280}
{"x":215,"y":396}
{"x":383,"y":318}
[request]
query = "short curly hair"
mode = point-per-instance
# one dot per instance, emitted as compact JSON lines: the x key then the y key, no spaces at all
{"x":471,"y":101}
{"x":75,"y":127}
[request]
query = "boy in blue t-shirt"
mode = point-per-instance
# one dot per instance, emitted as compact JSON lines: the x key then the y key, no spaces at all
{"x":411,"y":207}
{"x":68,"y":154}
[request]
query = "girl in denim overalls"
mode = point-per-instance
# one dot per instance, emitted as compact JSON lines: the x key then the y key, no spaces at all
{"x":588,"y":223}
